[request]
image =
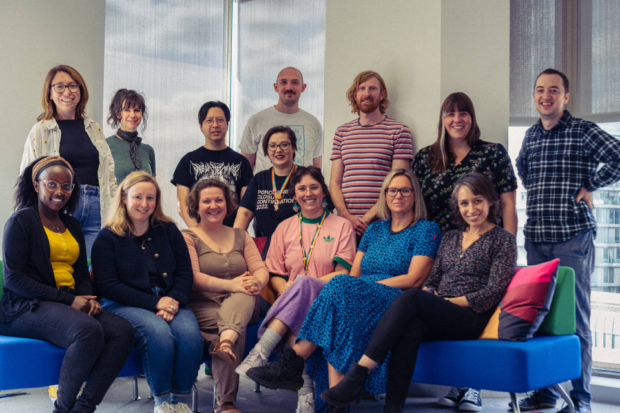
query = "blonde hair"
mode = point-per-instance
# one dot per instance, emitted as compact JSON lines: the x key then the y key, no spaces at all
{"x":48,"y":105}
{"x":119,"y":222}
{"x":419,"y":208}
{"x":361,"y":78}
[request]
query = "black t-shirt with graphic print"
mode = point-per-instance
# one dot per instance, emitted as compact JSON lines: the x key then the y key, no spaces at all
{"x":227,"y":165}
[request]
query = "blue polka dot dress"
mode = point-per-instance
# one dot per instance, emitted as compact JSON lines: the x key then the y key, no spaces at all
{"x":343,"y":317}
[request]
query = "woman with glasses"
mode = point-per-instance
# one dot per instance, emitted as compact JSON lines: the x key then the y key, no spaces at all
{"x":307,"y":250}
{"x":395,"y":254}
{"x":127,"y":113}
{"x":63,"y":98}
{"x":48,"y":294}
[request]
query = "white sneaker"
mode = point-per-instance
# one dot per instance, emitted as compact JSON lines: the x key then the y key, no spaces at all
{"x":256,"y":358}
{"x":164,"y":408}
{"x":305,"y":403}
{"x":181,"y":408}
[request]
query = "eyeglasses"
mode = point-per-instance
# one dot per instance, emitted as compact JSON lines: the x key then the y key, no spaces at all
{"x":284,"y":146}
{"x":53,"y":185}
{"x":405,"y":192}
{"x":60,"y":87}
{"x":303,"y":189}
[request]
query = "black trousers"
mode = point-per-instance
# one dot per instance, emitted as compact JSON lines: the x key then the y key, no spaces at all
{"x":97,"y":347}
{"x":414,"y":317}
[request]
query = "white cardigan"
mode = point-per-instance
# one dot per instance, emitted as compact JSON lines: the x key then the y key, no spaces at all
{"x":44,"y":140}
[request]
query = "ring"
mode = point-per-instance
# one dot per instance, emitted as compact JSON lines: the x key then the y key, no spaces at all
{"x":171,"y":307}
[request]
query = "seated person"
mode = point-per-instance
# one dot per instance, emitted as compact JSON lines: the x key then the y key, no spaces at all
{"x":48,"y":293}
{"x":142,"y":268}
{"x":228,"y":276}
{"x":474,"y":266}
{"x":301,"y":270}
{"x":394,"y":255}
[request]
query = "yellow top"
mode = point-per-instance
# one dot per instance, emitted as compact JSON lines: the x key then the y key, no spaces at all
{"x":64,"y":252}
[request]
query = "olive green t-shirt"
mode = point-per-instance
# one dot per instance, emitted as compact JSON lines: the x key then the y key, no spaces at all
{"x":123,"y":165}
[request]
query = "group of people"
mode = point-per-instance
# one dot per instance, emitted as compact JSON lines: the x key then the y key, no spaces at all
{"x":421,"y":248}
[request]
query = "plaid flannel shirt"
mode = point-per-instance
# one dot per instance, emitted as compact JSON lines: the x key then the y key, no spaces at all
{"x":553,"y":166}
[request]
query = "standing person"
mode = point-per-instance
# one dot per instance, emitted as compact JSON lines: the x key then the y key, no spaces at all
{"x":309,"y":134}
{"x":365,"y":150}
{"x":128,"y":110}
{"x":228,"y":276}
{"x":559,"y":166}
{"x":269,"y":197}
{"x":143,"y":270}
{"x":474,"y":267}
{"x":48,"y":293}
{"x":63,"y":98}
{"x":212,"y":160}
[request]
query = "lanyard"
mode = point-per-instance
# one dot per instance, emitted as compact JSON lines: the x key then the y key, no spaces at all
{"x":277,"y":195}
{"x":307,"y":257}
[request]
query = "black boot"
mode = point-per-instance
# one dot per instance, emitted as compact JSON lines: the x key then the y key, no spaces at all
{"x":334,"y":409}
{"x":350,"y":389}
{"x":393,"y":408}
{"x":284,"y":373}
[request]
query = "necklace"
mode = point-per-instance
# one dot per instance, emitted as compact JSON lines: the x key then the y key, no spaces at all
{"x":396,"y":232}
{"x":277,"y":195}
{"x":308,"y":256}
{"x":55,"y":229}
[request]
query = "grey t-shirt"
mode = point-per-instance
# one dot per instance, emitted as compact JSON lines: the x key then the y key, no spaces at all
{"x":123,"y":165}
{"x":307,"y":128}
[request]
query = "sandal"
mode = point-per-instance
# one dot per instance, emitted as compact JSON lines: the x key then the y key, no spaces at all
{"x":224,"y":350}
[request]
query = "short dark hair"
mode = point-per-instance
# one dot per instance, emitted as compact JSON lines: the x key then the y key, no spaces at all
{"x":193,"y":199}
{"x":202,"y":113}
{"x":554,"y":72}
{"x":126,"y":98}
{"x":314,"y":172}
{"x":279,"y":129}
{"x":478,"y":184}
{"x":26,"y":196}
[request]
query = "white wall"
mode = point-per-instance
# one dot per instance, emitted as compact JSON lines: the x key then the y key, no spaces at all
{"x":34,"y":37}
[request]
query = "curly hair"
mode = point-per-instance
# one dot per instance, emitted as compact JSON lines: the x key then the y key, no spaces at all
{"x":126,"y":99}
{"x":315,"y":173}
{"x":193,"y":199}
{"x":26,"y":196}
{"x":48,"y":105}
{"x":361,"y":78}
{"x":478,"y":184}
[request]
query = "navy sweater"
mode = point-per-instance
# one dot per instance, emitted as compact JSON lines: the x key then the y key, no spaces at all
{"x":28,"y":274}
{"x":120,"y":273}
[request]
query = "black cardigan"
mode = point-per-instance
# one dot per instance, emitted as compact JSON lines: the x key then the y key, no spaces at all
{"x":120,"y":273}
{"x":28,"y":274}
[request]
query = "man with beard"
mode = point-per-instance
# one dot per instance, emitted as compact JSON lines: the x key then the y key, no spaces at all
{"x":289,"y":86}
{"x":365,"y":150}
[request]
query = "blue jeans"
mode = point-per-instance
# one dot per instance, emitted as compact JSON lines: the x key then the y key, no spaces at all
{"x":171,"y":352}
{"x":577,"y":253}
{"x":88,"y":212}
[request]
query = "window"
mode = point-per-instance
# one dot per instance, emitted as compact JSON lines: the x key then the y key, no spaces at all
{"x":608,"y":277}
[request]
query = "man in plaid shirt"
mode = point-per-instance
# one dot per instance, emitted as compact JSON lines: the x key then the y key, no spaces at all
{"x":558,"y":165}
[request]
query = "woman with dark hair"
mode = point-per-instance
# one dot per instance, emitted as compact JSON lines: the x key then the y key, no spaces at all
{"x":395,"y":254}
{"x":127,"y":113}
{"x":48,"y":293}
{"x":63,"y":98}
{"x":470,"y":276}
{"x":300,"y":269}
{"x":269,"y":197}
{"x":228,"y":276}
{"x":143,"y":270}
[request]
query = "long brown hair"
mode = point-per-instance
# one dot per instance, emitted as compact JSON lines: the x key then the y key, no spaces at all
{"x":48,"y":105}
{"x":440,"y":153}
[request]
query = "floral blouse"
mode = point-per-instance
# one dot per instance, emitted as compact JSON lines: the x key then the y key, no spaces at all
{"x":490,"y":159}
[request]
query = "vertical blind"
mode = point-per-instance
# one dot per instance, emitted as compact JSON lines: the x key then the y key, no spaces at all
{"x":605,"y":50}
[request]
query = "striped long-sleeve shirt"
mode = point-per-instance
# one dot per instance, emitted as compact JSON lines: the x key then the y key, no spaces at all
{"x":367,"y":153}
{"x":553,"y":166}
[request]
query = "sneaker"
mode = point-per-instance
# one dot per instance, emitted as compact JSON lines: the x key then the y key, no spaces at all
{"x":181,"y":408}
{"x":53,"y":393}
{"x":256,"y":358}
{"x":471,"y":401}
{"x":305,"y":403}
{"x":535,"y":400}
{"x":580,"y":407}
{"x":284,"y":373}
{"x":208,"y":370}
{"x":164,"y":408}
{"x":453,"y":398}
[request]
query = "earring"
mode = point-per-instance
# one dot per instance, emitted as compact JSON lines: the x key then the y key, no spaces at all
{"x":296,"y":207}
{"x":324,"y":204}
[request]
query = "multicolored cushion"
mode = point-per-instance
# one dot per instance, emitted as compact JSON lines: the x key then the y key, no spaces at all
{"x":525,"y":305}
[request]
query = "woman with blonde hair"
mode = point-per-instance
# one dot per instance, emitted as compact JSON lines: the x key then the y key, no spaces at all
{"x":143,"y":270}
{"x":395,"y":254}
{"x":63,"y":98}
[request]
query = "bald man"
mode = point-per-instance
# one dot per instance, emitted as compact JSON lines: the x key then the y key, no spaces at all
{"x":289,"y":86}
